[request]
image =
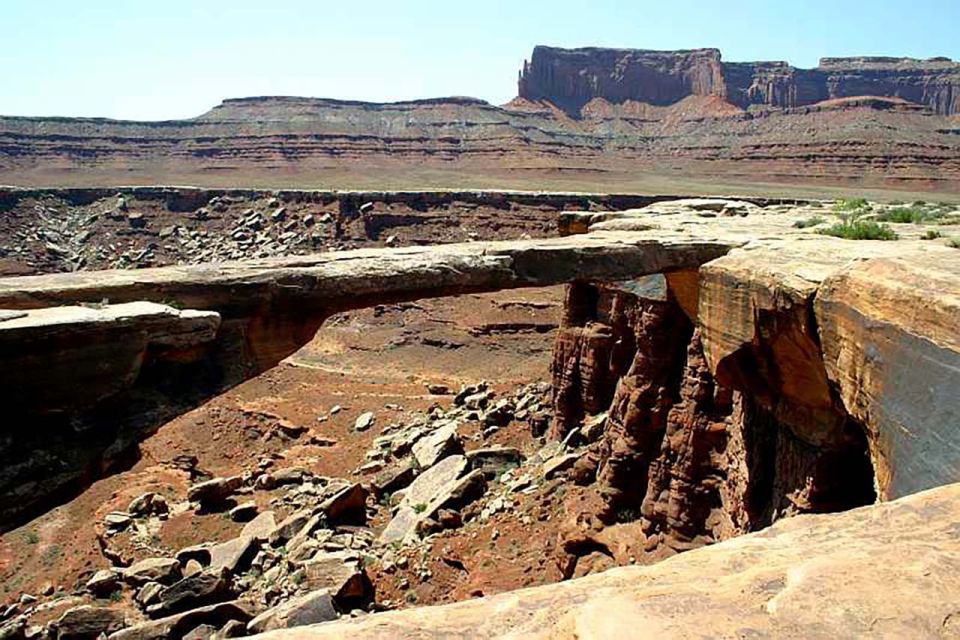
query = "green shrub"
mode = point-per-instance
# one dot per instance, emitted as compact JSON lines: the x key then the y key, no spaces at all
{"x":912,"y":214}
{"x":851,"y":228}
{"x":851,"y":204}
{"x":931,"y":234}
{"x":812,"y":221}
{"x":954,"y":242}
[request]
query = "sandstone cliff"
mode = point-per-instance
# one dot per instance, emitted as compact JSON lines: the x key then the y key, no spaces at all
{"x":570,"y":78}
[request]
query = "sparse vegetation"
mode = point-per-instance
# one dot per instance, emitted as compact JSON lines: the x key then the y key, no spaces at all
{"x":419,"y":507}
{"x":851,"y":227}
{"x":851,"y":204}
{"x":31,"y":537}
{"x":51,"y":555}
{"x":806,"y":223}
{"x":931,"y":234}
{"x":904,"y":215}
{"x":954,"y":242}
{"x":627,"y":514}
{"x":174,"y":304}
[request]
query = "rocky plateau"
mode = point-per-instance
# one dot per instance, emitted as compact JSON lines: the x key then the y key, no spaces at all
{"x":585,"y":119}
{"x":292,"y":413}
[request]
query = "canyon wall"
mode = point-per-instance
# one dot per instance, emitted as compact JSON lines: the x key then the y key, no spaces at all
{"x":570,"y":78}
{"x":695,"y":460}
{"x":789,"y":376}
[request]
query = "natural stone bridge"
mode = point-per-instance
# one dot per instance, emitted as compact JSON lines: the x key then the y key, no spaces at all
{"x":810,"y":326}
{"x":82,"y":384}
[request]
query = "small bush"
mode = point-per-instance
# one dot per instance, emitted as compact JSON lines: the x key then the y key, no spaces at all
{"x":31,"y":537}
{"x":627,"y":514}
{"x":420,"y":507}
{"x":856,"y":229}
{"x":812,"y":221}
{"x":904,"y":215}
{"x":954,"y":242}
{"x":851,"y":204}
{"x":931,"y":234}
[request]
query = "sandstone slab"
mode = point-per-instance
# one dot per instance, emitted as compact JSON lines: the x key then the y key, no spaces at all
{"x":889,"y":570}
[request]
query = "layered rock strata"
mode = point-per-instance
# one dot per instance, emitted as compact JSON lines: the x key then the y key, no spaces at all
{"x":888,"y":569}
{"x":571,"y":78}
{"x":662,"y":117}
{"x":757,"y":386}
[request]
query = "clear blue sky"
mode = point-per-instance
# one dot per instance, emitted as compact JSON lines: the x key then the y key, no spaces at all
{"x":156,"y":59}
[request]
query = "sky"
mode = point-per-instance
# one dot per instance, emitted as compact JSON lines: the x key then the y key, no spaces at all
{"x":155,"y":60}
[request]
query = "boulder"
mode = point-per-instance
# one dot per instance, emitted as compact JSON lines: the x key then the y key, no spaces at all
{"x":364,"y":421}
{"x":346,"y":506}
{"x":290,"y":475}
{"x":424,"y":495}
{"x":88,"y":622}
{"x":194,"y":591}
{"x":493,"y":461}
{"x":215,"y":492}
{"x":397,"y":476}
{"x":103,"y":582}
{"x":244,"y":512}
{"x":148,"y":504}
{"x":201,"y":632}
{"x":342,"y":574}
{"x":314,"y":607}
{"x":162,"y":570}
{"x":233,"y":556}
{"x":290,"y":526}
{"x":149,"y":593}
{"x":260,"y":527}
{"x":177,"y":625}
{"x":436,"y":446}
{"x":558,"y":464}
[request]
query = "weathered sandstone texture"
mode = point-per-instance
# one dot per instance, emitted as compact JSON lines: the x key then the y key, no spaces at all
{"x":888,"y":570}
{"x":744,"y":382}
{"x":796,"y":373}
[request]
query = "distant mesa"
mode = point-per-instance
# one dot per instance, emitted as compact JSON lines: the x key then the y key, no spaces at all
{"x":571,"y":78}
{"x":583,"y":119}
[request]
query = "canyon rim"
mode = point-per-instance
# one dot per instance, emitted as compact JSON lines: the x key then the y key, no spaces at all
{"x":665,"y":346}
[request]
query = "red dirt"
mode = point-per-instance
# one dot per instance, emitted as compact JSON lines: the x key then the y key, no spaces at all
{"x":377,"y":360}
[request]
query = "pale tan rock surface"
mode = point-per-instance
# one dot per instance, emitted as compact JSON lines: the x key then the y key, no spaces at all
{"x":820,"y":329}
{"x":890,"y":330}
{"x":890,"y":570}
